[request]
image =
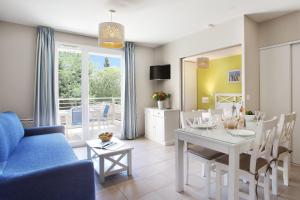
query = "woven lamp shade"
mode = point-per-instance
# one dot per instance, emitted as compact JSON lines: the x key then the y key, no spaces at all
{"x":111,"y":35}
{"x":203,"y":62}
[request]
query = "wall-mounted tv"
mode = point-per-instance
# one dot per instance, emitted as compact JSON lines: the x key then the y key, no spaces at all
{"x":160,"y":72}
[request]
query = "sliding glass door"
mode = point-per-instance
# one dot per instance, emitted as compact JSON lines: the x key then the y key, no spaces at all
{"x":89,"y":91}
{"x":104,"y":94}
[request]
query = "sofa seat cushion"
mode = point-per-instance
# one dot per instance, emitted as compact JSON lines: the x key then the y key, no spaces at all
{"x":39,"y":152}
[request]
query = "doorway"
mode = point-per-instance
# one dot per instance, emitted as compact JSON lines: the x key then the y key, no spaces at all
{"x":212,"y":80}
{"x":88,"y":91}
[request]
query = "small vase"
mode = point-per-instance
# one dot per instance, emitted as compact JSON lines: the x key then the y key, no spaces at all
{"x":160,"y":105}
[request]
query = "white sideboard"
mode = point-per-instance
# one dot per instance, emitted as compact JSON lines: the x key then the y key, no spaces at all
{"x":160,"y":125}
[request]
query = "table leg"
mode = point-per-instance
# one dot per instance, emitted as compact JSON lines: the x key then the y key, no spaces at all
{"x":101,"y":169}
{"x":129,"y":163}
{"x":179,"y":164}
{"x":234,"y":165}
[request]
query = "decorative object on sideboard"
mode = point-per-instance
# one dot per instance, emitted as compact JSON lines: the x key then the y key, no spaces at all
{"x":160,"y":97}
{"x":111,"y":34}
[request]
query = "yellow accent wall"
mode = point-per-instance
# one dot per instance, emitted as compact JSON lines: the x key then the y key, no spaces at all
{"x":214,"y":79}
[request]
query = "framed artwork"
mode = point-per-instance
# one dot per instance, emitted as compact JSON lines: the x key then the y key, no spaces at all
{"x":234,"y":76}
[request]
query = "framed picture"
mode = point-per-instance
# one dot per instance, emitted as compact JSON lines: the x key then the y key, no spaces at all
{"x":234,"y":76}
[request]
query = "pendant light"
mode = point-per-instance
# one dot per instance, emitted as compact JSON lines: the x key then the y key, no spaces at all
{"x":203,"y":62}
{"x":111,"y":34}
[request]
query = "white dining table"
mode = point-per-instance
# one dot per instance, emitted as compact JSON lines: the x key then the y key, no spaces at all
{"x":216,"y":139}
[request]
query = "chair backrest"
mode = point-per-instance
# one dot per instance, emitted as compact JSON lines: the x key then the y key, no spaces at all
{"x":285,"y":129}
{"x":264,"y":139}
{"x":11,"y":132}
{"x":76,"y":115}
{"x":189,"y":118}
{"x":216,"y":112}
{"x":106,"y":110}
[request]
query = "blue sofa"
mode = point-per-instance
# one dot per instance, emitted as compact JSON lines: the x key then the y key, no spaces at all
{"x":39,"y":164}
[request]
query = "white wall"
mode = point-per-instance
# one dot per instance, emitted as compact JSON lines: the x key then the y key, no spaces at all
{"x":221,"y":36}
{"x":17,"y":69}
{"x":144,"y":57}
{"x":250,"y":65}
{"x":279,"y":30}
{"x":17,"y":61}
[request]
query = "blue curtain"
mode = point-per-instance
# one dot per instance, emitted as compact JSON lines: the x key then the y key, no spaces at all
{"x":129,"y":98}
{"x":45,"y":101}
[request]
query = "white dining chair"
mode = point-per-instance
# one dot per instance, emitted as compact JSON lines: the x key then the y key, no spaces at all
{"x":213,"y":112}
{"x":282,"y":149}
{"x":254,"y":164}
{"x":205,"y":155}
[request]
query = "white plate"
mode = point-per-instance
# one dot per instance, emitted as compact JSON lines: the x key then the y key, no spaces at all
{"x":242,"y":132}
{"x":204,"y":126}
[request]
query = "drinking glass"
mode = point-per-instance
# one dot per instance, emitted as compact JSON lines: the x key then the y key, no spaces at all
{"x":257,"y":115}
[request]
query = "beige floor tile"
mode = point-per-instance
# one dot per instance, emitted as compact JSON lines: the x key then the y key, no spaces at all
{"x":151,"y":196}
{"x":110,"y":194}
{"x":135,"y":189}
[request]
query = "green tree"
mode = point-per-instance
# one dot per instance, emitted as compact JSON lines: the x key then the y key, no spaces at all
{"x":69,"y":74}
{"x":106,"y":62}
{"x":106,"y":83}
{"x":102,"y":83}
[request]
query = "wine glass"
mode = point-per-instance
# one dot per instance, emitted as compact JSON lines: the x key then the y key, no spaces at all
{"x":257,"y":115}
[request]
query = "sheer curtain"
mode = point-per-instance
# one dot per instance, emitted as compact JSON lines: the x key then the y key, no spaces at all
{"x":45,"y":101}
{"x":129,"y":130}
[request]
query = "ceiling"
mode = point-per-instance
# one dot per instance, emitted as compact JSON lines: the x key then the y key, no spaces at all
{"x":151,"y":22}
{"x":236,"y":50}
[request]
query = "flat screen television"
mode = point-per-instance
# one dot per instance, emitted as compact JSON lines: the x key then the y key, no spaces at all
{"x":160,"y":72}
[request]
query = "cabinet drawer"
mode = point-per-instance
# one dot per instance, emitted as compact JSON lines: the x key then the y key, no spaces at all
{"x":158,"y":113}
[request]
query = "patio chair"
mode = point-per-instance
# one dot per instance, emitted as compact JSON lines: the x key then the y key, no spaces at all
{"x":105,"y":116}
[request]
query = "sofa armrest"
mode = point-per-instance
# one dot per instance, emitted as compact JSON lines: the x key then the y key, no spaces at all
{"x":73,"y":181}
{"x":44,"y":130}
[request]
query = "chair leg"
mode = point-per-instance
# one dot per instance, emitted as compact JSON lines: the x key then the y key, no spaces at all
{"x":267,"y":186}
{"x":218,"y":184}
{"x":252,"y":188}
{"x":286,"y":166}
{"x":207,"y":173}
{"x":275,"y":179}
{"x":187,"y":168}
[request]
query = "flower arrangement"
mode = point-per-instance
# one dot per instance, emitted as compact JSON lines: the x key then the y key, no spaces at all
{"x":159,"y":96}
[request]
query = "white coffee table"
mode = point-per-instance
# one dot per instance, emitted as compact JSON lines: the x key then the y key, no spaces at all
{"x":113,"y":160}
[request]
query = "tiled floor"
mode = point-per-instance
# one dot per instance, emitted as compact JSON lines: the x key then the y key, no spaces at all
{"x":154,"y":177}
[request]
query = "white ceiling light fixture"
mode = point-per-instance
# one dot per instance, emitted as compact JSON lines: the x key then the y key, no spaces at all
{"x":203,"y":62}
{"x":111,"y":34}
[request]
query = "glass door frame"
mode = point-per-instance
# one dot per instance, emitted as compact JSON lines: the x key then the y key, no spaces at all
{"x":85,"y":52}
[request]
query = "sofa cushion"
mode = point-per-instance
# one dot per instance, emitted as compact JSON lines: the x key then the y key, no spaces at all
{"x":39,"y":152}
{"x":11,"y":132}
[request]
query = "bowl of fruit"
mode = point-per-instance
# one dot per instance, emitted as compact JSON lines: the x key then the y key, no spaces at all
{"x":105,"y":137}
